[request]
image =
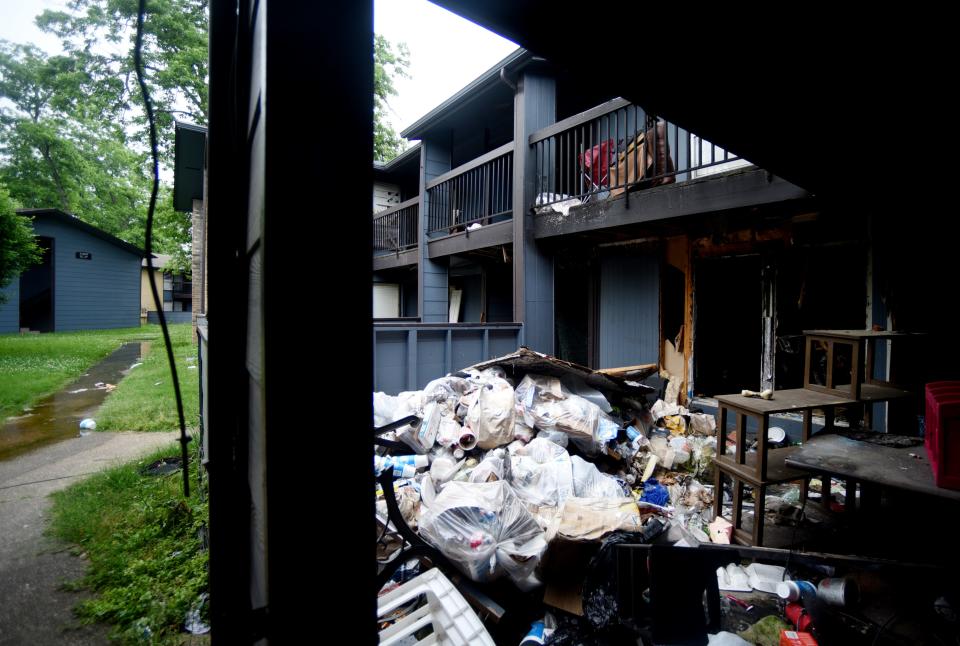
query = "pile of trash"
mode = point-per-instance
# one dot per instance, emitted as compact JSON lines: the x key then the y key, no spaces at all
{"x":515,"y":454}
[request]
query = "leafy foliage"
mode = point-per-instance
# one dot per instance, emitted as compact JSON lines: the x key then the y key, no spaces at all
{"x":72,"y":129}
{"x":19,"y":249}
{"x":145,"y":544}
{"x":388,"y":63}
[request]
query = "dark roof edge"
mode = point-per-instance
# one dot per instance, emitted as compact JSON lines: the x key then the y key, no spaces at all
{"x":399,"y":160}
{"x":189,"y":126}
{"x":492,"y":74}
{"x":73,"y":220}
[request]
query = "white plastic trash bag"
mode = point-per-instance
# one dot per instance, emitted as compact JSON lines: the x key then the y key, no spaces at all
{"x":541,"y":473}
{"x":491,"y":416}
{"x":494,"y":466}
{"x":481,"y":527}
{"x":588,"y":482}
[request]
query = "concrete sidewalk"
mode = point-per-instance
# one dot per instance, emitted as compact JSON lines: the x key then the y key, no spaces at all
{"x":33,"y":610}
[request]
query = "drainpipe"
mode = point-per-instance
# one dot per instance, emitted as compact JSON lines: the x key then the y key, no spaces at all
{"x":503,"y":77}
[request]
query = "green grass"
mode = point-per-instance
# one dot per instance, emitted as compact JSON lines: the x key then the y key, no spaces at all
{"x":35,"y":365}
{"x":144,"y":400}
{"x":147,"y":563}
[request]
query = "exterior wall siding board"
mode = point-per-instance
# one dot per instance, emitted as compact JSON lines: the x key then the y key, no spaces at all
{"x":467,"y":348}
{"x":100,"y":293}
{"x":10,"y":311}
{"x":629,"y":311}
{"x":431,"y":356}
{"x":391,"y":356}
{"x":433,"y":275}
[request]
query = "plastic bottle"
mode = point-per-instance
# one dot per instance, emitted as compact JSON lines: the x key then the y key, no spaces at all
{"x":838,"y":592}
{"x":535,"y":637}
{"x":796,"y":590}
{"x":404,"y":466}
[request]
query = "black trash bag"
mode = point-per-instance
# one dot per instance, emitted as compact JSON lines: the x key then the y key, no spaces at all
{"x":600,"y":606}
{"x":577,"y":631}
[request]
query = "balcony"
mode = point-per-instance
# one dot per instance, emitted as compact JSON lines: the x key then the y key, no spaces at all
{"x":471,"y":206}
{"x":591,"y":166}
{"x":396,"y":235}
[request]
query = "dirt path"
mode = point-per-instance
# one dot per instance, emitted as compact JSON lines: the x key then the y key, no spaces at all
{"x":32,"y":566}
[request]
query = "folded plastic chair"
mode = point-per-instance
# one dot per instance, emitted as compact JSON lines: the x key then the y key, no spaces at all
{"x":595,"y":167}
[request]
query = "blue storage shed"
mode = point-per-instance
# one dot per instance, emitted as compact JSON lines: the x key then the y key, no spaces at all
{"x":87,"y":280}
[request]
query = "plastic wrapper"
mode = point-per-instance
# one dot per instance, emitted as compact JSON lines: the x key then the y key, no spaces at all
{"x":485,"y":530}
{"x":655,"y":493}
{"x":662,"y":449}
{"x":444,"y":466}
{"x":491,"y":416}
{"x":557,"y":437}
{"x":588,"y":482}
{"x":662,"y":409}
{"x":547,"y":405}
{"x":607,"y":429}
{"x":447,"y":389}
{"x":541,"y":473}
{"x":408,"y":500}
{"x":449,"y":431}
{"x":521,"y":431}
{"x":681,"y":450}
{"x":702,"y":424}
{"x":384,"y":409}
{"x":675,"y":424}
{"x":494,"y":466}
{"x":419,"y":437}
{"x":572,"y":415}
{"x":587,"y":519}
{"x":703,"y":455}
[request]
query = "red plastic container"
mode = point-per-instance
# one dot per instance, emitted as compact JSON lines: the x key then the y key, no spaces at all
{"x":942,"y":435}
{"x":795,"y":638}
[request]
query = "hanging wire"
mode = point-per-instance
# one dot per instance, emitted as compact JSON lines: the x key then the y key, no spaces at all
{"x":148,"y":105}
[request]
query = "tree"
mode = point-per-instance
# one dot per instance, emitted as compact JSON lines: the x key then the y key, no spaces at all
{"x":387,"y":65}
{"x":72,"y":129}
{"x":175,"y":56}
{"x":61,"y":145}
{"x":18,"y":248}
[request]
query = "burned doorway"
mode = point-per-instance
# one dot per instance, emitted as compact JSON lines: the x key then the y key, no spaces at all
{"x":36,"y":291}
{"x":728,"y":343}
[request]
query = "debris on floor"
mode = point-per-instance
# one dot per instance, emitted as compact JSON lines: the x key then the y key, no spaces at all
{"x":536,"y":479}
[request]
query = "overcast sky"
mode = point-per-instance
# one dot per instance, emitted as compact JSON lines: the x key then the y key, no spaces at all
{"x":446,"y":51}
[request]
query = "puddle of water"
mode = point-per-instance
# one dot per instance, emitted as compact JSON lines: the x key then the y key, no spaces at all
{"x":57,"y":417}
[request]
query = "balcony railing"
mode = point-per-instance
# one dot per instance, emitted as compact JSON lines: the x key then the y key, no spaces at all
{"x":396,"y":230}
{"x":616,"y":148}
{"x":478,"y":192}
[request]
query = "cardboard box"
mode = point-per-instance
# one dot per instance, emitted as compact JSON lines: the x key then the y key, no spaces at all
{"x":795,"y":638}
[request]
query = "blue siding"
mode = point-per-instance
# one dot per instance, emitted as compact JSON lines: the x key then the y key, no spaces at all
{"x":410,"y":356}
{"x":436,"y":161}
{"x":535,"y":108}
{"x":629,"y":311}
{"x":100,"y":293}
{"x":10,"y":311}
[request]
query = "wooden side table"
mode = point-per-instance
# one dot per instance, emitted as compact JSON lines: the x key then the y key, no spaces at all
{"x":767,"y":466}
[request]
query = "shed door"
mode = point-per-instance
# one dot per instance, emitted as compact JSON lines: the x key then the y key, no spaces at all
{"x":629,"y":299}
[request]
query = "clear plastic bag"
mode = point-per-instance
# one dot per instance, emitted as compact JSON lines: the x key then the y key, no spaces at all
{"x":491,"y":416}
{"x":541,"y":473}
{"x":485,"y":529}
{"x":588,"y":482}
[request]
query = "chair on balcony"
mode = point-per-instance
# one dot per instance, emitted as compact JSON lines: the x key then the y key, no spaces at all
{"x":595,"y":169}
{"x":639,"y":166}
